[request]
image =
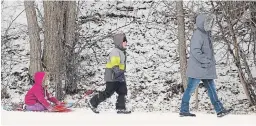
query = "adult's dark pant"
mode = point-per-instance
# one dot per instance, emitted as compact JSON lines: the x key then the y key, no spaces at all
{"x":119,"y":87}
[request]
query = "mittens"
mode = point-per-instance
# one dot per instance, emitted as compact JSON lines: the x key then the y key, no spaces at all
{"x":118,"y":74}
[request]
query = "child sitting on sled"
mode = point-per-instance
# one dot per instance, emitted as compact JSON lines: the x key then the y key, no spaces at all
{"x":36,"y":98}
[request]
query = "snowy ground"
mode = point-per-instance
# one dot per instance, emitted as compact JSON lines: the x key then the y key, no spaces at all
{"x":86,"y":117}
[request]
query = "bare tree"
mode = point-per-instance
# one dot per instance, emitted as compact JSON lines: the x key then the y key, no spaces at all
{"x":35,"y":44}
{"x":70,"y":41}
{"x":232,"y":15}
{"x":253,"y":28}
{"x":182,"y":42}
{"x":54,"y":40}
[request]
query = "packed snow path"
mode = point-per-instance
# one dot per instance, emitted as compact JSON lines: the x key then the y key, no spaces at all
{"x":86,"y":117}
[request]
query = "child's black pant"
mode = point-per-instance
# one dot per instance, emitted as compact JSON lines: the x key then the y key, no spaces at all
{"x":119,"y":87}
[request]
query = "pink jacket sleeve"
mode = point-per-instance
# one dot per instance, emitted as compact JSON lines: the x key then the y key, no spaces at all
{"x":51,"y":98}
{"x":40,"y":97}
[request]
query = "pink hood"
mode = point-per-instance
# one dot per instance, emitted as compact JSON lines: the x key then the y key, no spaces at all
{"x":38,"y":77}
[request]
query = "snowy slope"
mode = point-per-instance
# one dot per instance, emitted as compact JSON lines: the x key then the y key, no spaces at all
{"x":86,"y":117}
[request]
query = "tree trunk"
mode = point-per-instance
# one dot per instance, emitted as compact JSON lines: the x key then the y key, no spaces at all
{"x":34,"y":38}
{"x":70,"y":38}
{"x":254,"y":47}
{"x":227,"y":61}
{"x":54,"y":40}
{"x":182,"y":42}
{"x":253,"y":28}
{"x":197,"y":101}
{"x":251,"y":84}
{"x":247,"y":68}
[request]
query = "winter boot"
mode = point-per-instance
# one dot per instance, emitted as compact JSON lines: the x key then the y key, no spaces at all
{"x":224,"y":112}
{"x":187,"y":114}
{"x":123,"y":111}
{"x":94,"y":109}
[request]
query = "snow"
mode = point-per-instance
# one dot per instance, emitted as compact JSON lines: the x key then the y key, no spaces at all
{"x":87,"y":117}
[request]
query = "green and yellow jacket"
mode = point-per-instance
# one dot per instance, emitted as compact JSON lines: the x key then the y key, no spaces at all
{"x":116,"y":63}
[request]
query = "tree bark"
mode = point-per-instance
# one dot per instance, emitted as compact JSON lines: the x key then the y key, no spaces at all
{"x":227,"y":60}
{"x":254,"y":47}
{"x":253,"y":28}
{"x":70,"y":38}
{"x":182,"y":42}
{"x":34,"y":38}
{"x":251,"y":84}
{"x":54,"y":40}
{"x":196,"y":96}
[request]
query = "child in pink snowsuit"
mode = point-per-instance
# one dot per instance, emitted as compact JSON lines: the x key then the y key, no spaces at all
{"x":36,"y":98}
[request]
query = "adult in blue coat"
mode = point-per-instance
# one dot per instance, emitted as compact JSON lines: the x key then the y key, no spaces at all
{"x":201,"y":66}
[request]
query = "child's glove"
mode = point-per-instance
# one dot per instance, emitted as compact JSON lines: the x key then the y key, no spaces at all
{"x":118,"y":74}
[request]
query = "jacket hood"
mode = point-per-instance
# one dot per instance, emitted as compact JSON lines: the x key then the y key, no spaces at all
{"x":118,"y":40}
{"x":200,"y":21}
{"x":38,"y":77}
{"x":205,"y":22}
